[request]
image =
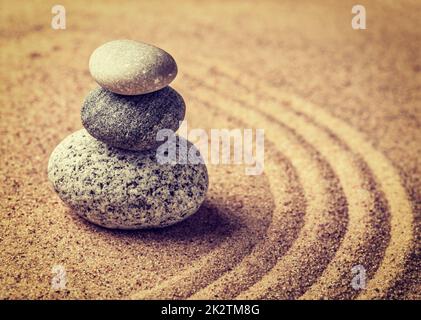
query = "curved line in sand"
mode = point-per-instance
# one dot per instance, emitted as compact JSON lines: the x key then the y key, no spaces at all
{"x":319,"y":214}
{"x":401,"y":233}
{"x":401,"y":216}
{"x":296,"y":258}
{"x":401,"y":219}
{"x":185,"y":283}
{"x":362,"y":208}
{"x":207,"y":267}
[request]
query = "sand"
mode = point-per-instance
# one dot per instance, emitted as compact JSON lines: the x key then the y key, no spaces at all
{"x":341,"y":186}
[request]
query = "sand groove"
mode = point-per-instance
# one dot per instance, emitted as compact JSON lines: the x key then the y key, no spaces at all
{"x":401,"y":221}
{"x":363,"y":150}
{"x":401,"y":216}
{"x":327,"y":206}
{"x":366,"y":208}
{"x":326,"y":210}
{"x":360,"y":205}
{"x":318,"y":201}
{"x":288,"y":213}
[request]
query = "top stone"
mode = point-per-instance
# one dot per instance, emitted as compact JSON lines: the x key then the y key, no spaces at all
{"x":130,"y":67}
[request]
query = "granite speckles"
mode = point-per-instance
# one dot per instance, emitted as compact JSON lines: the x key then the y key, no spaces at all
{"x":123,"y":189}
{"x":131,"y":68}
{"x":131,"y":122}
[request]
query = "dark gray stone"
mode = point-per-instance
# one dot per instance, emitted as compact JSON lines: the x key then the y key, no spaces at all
{"x":132,"y":122}
{"x":123,"y":189}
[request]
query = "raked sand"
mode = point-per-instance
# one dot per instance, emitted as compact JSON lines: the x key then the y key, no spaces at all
{"x":341,"y":186}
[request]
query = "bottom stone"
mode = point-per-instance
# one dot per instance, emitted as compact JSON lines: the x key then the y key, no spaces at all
{"x":122,"y":189}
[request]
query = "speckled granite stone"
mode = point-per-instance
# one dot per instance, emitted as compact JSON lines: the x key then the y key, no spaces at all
{"x":123,"y":189}
{"x":130,"y":67}
{"x":132,"y":122}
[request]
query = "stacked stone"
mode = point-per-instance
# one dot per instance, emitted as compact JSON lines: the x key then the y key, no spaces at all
{"x":109,"y":172}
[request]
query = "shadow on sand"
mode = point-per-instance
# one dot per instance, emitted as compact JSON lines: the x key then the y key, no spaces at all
{"x":211,"y":221}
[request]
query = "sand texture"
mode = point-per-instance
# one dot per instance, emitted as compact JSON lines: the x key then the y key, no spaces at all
{"x":341,"y":110}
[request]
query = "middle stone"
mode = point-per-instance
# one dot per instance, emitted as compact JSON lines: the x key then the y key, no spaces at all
{"x":132,"y":122}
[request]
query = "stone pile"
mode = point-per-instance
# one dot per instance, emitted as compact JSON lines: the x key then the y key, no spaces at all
{"x":109,"y":172}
